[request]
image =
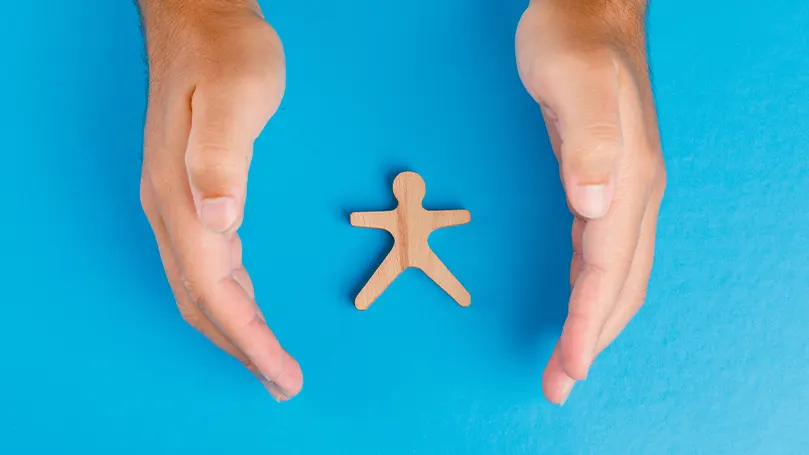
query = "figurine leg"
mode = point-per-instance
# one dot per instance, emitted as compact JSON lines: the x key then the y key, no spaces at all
{"x":382,"y":278}
{"x":438,"y":272}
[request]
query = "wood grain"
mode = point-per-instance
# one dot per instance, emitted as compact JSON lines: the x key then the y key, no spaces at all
{"x":411,"y":225}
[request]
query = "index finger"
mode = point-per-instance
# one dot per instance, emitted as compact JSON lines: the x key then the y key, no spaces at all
{"x":207,"y":268}
{"x":207,"y":264}
{"x":608,"y":246}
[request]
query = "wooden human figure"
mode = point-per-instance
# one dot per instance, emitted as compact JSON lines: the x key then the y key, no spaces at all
{"x":411,"y":225}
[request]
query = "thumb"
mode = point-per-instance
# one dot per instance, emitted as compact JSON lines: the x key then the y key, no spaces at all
{"x":575,"y":81}
{"x":583,"y":106}
{"x":225,"y":122}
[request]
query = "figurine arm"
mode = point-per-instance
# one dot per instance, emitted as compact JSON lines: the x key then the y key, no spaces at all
{"x":373,"y":220}
{"x":447,"y":218}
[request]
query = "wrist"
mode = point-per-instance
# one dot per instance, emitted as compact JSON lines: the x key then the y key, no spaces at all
{"x":170,"y":25}
{"x":155,"y":9}
{"x":602,"y":17}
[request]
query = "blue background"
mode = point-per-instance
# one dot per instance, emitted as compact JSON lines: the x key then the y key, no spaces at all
{"x":96,"y":359}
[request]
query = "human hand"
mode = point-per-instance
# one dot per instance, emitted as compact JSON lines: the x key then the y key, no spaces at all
{"x":216,"y":74}
{"x":585,"y":63}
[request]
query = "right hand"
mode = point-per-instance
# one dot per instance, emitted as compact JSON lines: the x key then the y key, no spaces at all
{"x":216,"y":76}
{"x":586,"y":66}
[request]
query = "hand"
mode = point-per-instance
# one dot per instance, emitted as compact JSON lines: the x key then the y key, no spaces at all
{"x":216,"y":78}
{"x":584,"y":62}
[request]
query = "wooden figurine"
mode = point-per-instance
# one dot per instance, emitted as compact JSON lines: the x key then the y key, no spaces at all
{"x":411,"y":225}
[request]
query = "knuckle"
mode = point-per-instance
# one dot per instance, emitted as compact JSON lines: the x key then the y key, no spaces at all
{"x":591,"y":268}
{"x":597,"y":143}
{"x":659,"y":186}
{"x":658,"y":179}
{"x":639,"y":298}
{"x":195,"y":291}
{"x":252,"y":323}
{"x":595,"y":139}
{"x":583,"y":316}
{"x":147,"y":200}
{"x":589,"y":160}
{"x":154,"y":186}
{"x":250,"y":80}
{"x":161,"y":191}
{"x":246,"y":362}
{"x":594,"y":65}
{"x":634,"y":298}
{"x":252,"y":77}
{"x":190,"y":315}
{"x":604,"y":136}
{"x":264,"y":86}
{"x":649,"y":167}
{"x":661,"y":178}
{"x":207,"y":155}
{"x":213,"y":164}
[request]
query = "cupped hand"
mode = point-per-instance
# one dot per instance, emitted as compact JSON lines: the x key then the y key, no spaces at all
{"x":216,"y":76}
{"x":584,"y":62}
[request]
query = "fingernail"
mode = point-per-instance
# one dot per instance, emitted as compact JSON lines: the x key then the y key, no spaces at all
{"x":592,"y":201}
{"x":218,"y":214}
{"x":276,"y":391}
{"x":567,"y":387}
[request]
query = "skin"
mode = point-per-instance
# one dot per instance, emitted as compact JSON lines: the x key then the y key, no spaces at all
{"x":217,"y":76}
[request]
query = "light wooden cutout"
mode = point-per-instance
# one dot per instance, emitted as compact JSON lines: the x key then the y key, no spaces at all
{"x":411,"y":225}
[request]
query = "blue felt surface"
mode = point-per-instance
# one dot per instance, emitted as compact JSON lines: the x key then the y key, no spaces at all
{"x":95,"y":358}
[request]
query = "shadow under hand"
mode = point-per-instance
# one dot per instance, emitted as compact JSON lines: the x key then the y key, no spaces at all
{"x":542,"y":229}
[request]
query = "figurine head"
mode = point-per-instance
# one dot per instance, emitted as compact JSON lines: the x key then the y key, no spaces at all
{"x":409,"y":187}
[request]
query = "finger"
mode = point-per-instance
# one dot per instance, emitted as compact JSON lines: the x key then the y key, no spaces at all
{"x":194,"y":316}
{"x":232,"y":310}
{"x":239,"y":272}
{"x":556,"y":384}
{"x":210,"y":279}
{"x":578,"y":260}
{"x":633,"y":295}
{"x":609,"y":243}
{"x":190,"y":312}
{"x":607,"y":247}
{"x":226,"y":120}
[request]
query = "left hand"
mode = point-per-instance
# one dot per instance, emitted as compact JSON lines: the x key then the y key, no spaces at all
{"x":585,"y":63}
